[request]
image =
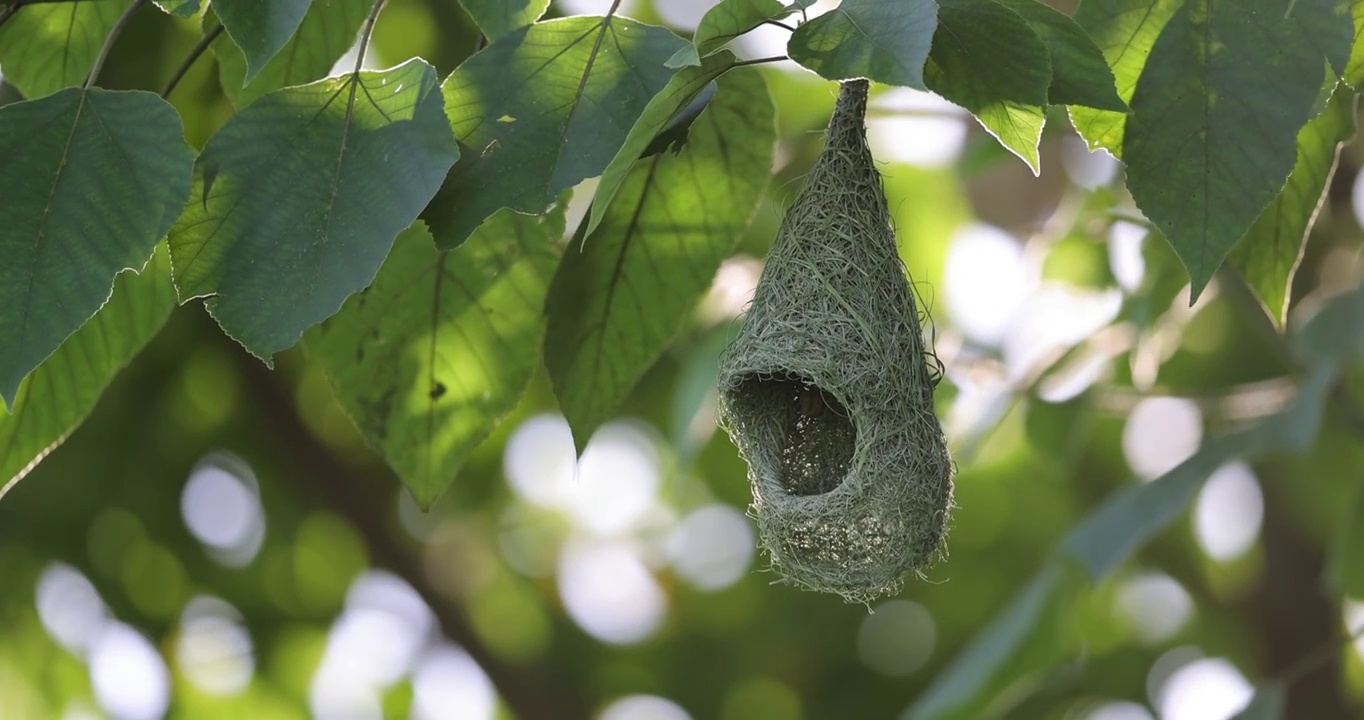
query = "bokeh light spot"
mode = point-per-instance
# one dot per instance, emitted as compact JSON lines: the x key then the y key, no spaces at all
{"x":1157,"y":605}
{"x":897,"y":638}
{"x":129,"y":677}
{"x":1161,"y":433}
{"x":448,"y":685}
{"x":1229,"y":512}
{"x":609,"y":592}
{"x":711,"y":547}
{"x":70,"y":607}
{"x":644,"y":707}
{"x":214,"y":649}
{"x":221,"y":507}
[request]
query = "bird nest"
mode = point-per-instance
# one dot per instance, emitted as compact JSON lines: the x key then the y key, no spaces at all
{"x":827,"y":389}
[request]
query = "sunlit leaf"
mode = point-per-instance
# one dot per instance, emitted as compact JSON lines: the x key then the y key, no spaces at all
{"x":541,"y":109}
{"x":499,"y":17}
{"x":882,"y":40}
{"x":61,"y":392}
{"x":1209,"y":92}
{"x":1080,"y":75}
{"x":298,"y":198}
{"x":727,"y":20}
{"x":438,"y":349}
{"x":49,"y":46}
{"x":684,"y":87}
{"x":328,"y":30}
{"x":619,"y":300}
{"x":260,"y":29}
{"x":988,"y":60}
{"x":1124,"y":30}
{"x":1269,"y":253}
{"x":1354,"y":67}
{"x":180,"y":8}
{"x":93,"y":179}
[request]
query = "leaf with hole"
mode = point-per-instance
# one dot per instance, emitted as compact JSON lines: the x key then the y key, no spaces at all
{"x":683,"y":89}
{"x":882,"y":40}
{"x":49,"y":46}
{"x":1210,"y":91}
{"x":1124,"y":30}
{"x":620,"y":299}
{"x":327,"y":31}
{"x":439,"y":348}
{"x":727,"y":20}
{"x":988,"y":60}
{"x":499,"y":17}
{"x":541,"y":109}
{"x":297,"y":199}
{"x":1269,"y":253}
{"x":1079,"y":74}
{"x":56,"y":397}
{"x":260,"y":29}
{"x":94,"y":179}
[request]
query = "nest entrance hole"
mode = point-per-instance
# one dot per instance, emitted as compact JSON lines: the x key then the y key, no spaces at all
{"x":816,"y":433}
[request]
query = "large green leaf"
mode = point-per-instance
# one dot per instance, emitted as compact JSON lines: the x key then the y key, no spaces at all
{"x":1269,"y":253}
{"x":260,"y":29}
{"x":499,"y":17}
{"x":1354,"y":67}
{"x":297,"y":199}
{"x":92,"y":179}
{"x":883,"y":40}
{"x":541,"y":109}
{"x":180,"y":8}
{"x":438,"y":349}
{"x":61,"y":392}
{"x":721,"y":24}
{"x":988,"y":60}
{"x":49,"y":46}
{"x":1079,"y":73}
{"x":685,"y":86}
{"x":1325,"y":25}
{"x":1124,"y":30}
{"x":1209,"y":93}
{"x":328,"y":30}
{"x":617,"y":302}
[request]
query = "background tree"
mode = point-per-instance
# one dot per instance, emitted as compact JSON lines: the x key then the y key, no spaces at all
{"x":425,"y":225}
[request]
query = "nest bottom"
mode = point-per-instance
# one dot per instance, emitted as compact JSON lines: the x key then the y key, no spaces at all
{"x":815,"y":434}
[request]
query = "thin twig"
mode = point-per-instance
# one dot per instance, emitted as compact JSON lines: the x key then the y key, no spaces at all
{"x":194,"y":54}
{"x":110,"y":40}
{"x":779,"y":24}
{"x":365,"y":34}
{"x":760,"y":61}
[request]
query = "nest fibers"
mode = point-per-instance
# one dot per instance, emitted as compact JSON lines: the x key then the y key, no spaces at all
{"x":827,"y":390}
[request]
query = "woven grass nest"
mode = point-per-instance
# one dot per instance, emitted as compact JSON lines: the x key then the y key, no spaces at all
{"x":827,"y":390}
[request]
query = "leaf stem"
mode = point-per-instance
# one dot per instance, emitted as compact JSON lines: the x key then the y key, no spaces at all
{"x":760,"y":61}
{"x":366,"y":33}
{"x":190,"y":59}
{"x":779,"y":24}
{"x":110,"y":40}
{"x":614,"y":7}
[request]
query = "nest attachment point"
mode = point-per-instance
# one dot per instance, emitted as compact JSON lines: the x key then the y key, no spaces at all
{"x":827,"y":389}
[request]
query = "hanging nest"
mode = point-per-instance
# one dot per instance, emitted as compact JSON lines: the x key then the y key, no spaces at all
{"x":828,"y":388}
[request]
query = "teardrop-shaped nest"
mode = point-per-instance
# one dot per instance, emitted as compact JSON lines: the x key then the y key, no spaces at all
{"x":828,"y":388}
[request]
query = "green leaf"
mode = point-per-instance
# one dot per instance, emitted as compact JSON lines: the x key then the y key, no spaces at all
{"x":882,"y":40}
{"x":1326,"y":26}
{"x":988,"y":60}
{"x":1354,"y":67}
{"x":1335,"y":334}
{"x":180,"y":8}
{"x":93,"y":179}
{"x":61,"y":392}
{"x":439,"y":348}
{"x":1209,"y":92}
{"x":1124,"y":30}
{"x":1080,"y":75}
{"x":541,"y":109}
{"x":260,"y":29}
{"x":721,"y":24}
{"x":1347,"y":557}
{"x":328,"y":30}
{"x":685,"y":86}
{"x":49,"y":46}
{"x":1020,"y":642}
{"x":1267,"y":703}
{"x":1269,"y":253}
{"x":499,"y":17}
{"x":618,"y":301}
{"x":297,"y":199}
